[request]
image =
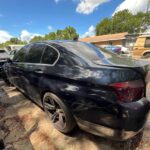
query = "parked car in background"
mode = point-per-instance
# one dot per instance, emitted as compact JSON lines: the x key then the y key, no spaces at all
{"x":141,"y":48}
{"x":13,"y":47}
{"x":124,"y":50}
{"x":4,"y":56}
{"x":118,"y":49}
{"x":77,"y":84}
{"x":12,"y":53}
{"x":112,"y":48}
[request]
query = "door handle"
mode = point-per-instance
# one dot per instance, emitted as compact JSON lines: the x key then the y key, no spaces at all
{"x":39,"y":71}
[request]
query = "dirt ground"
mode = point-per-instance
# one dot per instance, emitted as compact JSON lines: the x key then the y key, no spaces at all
{"x":24,"y":126}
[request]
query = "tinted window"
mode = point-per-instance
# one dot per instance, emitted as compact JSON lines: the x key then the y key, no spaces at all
{"x":20,"y":55}
{"x":83,"y":50}
{"x":35,"y":53}
{"x":147,"y":42}
{"x":50,"y":55}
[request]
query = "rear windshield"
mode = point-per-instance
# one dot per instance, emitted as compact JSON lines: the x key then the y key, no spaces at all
{"x":84,"y":49}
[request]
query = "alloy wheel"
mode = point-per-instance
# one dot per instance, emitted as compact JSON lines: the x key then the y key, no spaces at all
{"x":55,"y":112}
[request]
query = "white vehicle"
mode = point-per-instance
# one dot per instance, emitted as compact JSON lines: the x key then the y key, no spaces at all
{"x":125,"y":50}
{"x":13,"y":47}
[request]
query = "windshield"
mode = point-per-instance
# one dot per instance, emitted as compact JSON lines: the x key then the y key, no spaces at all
{"x":84,"y":50}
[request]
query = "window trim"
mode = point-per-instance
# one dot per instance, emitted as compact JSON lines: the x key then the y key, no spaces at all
{"x":58,"y":56}
{"x":18,"y":52}
{"x":145,"y":42}
{"x":31,"y":45}
{"x":40,"y":63}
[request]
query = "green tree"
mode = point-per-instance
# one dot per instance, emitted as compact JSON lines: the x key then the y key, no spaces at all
{"x":15,"y":40}
{"x":124,"y":21}
{"x":121,"y":22}
{"x":104,"y":27}
{"x":12,"y":41}
{"x":70,"y":33}
{"x":60,"y":35}
{"x":50,"y":36}
{"x":36,"y":39}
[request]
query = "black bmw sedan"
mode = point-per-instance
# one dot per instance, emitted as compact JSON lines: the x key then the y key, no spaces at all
{"x":77,"y":84}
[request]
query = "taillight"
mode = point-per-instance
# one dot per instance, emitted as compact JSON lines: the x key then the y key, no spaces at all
{"x":129,"y":91}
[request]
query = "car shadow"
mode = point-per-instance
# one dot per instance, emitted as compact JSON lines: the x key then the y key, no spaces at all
{"x":45,"y":136}
{"x":107,"y":144}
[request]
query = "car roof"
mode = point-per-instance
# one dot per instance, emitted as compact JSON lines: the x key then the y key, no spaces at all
{"x":59,"y":41}
{"x":55,"y":41}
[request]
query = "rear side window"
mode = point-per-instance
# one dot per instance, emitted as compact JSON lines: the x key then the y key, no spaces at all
{"x":50,"y":56}
{"x":147,"y":42}
{"x":20,"y":55}
{"x":35,"y":53}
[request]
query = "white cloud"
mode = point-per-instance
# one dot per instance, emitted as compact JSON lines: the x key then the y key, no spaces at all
{"x":27,"y":36}
{"x":88,"y":6}
{"x":50,"y":27}
{"x":133,"y":6}
{"x":90,"y":32}
{"x":4,"y":36}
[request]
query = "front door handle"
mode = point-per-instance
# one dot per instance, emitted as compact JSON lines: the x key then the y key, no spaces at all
{"x":39,"y":71}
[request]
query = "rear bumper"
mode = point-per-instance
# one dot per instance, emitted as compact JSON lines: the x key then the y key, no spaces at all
{"x":130,"y":121}
{"x":118,"y":135}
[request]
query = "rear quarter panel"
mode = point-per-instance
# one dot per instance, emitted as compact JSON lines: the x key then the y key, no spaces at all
{"x":86,"y":91}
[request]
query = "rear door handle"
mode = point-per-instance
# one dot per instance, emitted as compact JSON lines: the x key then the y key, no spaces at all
{"x":39,"y":71}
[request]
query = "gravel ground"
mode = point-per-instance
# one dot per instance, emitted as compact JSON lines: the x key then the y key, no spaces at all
{"x":24,"y":126}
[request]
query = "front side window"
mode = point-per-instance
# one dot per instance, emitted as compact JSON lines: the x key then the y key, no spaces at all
{"x":147,"y":42}
{"x":50,"y":56}
{"x":35,"y":53}
{"x":20,"y":55}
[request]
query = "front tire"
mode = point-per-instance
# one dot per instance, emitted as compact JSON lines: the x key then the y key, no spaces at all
{"x":59,"y":113}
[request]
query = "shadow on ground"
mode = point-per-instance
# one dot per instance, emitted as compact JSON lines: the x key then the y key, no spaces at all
{"x":24,"y":126}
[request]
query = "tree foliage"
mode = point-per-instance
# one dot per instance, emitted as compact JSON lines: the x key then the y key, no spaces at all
{"x":69,"y":33}
{"x":124,"y":21}
{"x":37,"y":39}
{"x":12,"y":41}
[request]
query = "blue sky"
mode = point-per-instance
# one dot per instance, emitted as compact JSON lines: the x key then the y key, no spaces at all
{"x":35,"y":17}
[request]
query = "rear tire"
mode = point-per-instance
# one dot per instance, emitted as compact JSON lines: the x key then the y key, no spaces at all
{"x":59,"y":113}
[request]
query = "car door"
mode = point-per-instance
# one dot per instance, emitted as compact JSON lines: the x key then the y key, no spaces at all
{"x":33,"y":70}
{"x":49,"y":80}
{"x":15,"y":68}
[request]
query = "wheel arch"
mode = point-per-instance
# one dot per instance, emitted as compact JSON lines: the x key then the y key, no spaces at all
{"x":146,"y":52}
{"x":43,"y":92}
